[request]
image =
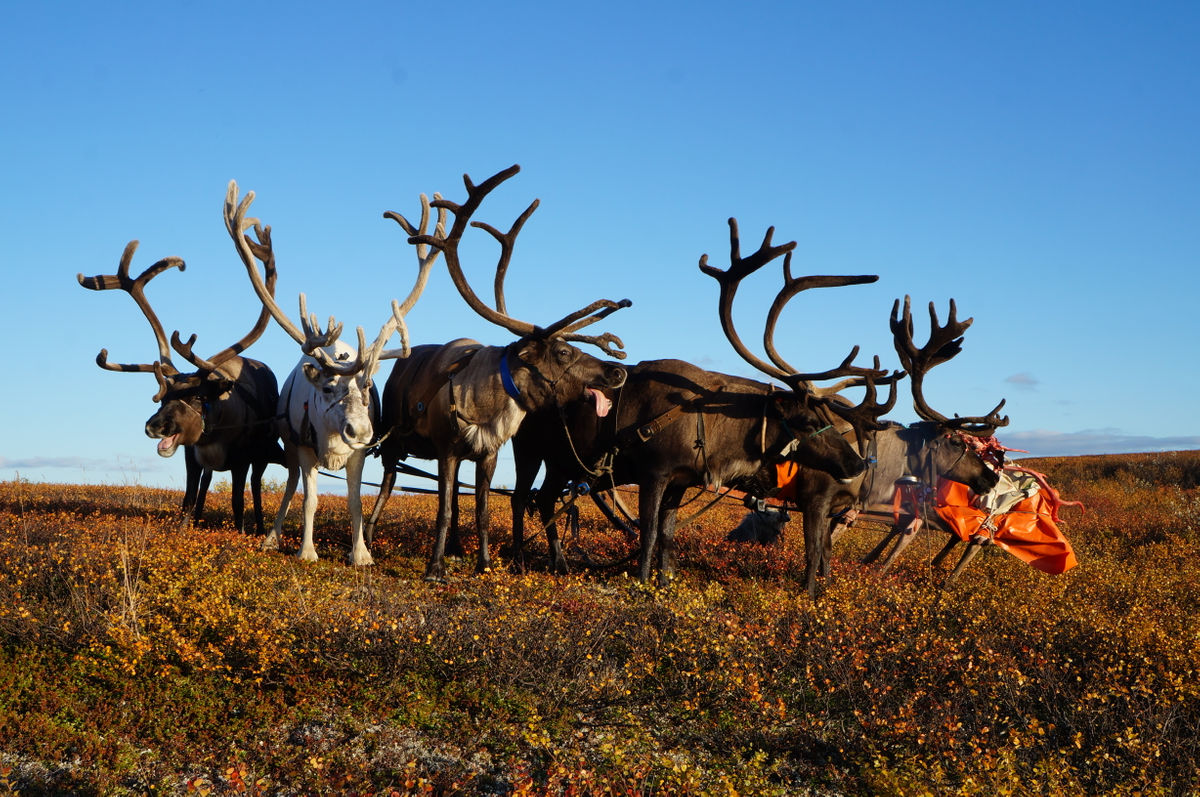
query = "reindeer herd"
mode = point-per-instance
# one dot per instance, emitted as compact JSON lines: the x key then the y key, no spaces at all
{"x":662,"y":425}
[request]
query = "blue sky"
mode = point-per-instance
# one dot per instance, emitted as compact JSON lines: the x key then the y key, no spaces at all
{"x":1038,"y":162}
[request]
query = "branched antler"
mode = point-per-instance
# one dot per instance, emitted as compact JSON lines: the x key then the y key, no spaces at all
{"x":945,"y":342}
{"x":162,"y":368}
{"x":312,"y":338}
{"x":864,"y":414}
{"x":448,"y":243}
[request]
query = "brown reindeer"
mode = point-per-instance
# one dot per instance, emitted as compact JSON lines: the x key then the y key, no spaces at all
{"x":676,"y":426}
{"x":912,"y":457}
{"x":222,"y":413}
{"x":463,"y":400}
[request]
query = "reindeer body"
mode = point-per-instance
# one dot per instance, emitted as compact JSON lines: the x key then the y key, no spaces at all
{"x":676,"y":426}
{"x":326,"y":421}
{"x":221,"y":413}
{"x":463,"y":400}
{"x":224,"y":426}
{"x":922,"y":451}
{"x":450,"y":403}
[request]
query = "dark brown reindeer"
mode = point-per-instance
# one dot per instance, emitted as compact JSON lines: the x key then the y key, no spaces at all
{"x":463,"y":400}
{"x":676,"y":426}
{"x":222,"y":413}
{"x":910,"y":457}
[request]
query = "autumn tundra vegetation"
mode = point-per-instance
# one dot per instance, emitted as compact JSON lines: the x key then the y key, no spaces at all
{"x":149,"y":646}
{"x":141,"y":655}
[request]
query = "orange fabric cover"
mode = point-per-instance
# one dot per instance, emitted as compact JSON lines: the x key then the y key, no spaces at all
{"x":785,"y":477}
{"x":1027,"y":531}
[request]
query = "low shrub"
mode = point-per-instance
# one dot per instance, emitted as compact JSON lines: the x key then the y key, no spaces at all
{"x":141,"y":655}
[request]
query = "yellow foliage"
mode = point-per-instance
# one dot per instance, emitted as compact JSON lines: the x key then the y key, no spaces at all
{"x":731,"y":681}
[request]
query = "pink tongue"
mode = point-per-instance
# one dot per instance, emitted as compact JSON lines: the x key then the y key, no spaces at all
{"x":603,"y":404}
{"x":167,"y":442}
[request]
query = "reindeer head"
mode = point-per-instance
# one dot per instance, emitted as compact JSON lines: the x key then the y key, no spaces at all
{"x":187,"y":412}
{"x":186,"y":400}
{"x":949,"y":452}
{"x":557,"y":373}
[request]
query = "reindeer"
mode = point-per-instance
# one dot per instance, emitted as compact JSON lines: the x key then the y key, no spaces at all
{"x":329,"y":406}
{"x":676,"y":426}
{"x":222,"y":413}
{"x":463,"y":400}
{"x":914,"y":458}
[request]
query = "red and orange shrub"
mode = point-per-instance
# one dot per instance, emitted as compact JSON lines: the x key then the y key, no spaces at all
{"x":140,"y":655}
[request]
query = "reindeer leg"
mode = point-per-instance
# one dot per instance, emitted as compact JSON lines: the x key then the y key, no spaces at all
{"x":942,"y":554}
{"x":454,"y":546}
{"x":973,"y":547}
{"x":558,"y":562}
{"x":192,"y":470}
{"x":907,"y":535}
{"x":271,"y":541}
{"x":483,"y":487}
{"x":817,"y":547}
{"x":237,"y":497}
{"x":526,"y":464}
{"x":359,"y":555}
{"x":308,"y":469}
{"x":832,"y":532}
{"x":650,"y":498}
{"x":385,"y":492}
{"x":256,"y":474}
{"x":666,"y":535}
{"x":435,"y":568}
{"x":202,"y":494}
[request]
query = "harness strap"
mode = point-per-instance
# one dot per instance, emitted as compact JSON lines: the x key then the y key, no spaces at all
{"x":641,"y":434}
{"x":506,"y":378}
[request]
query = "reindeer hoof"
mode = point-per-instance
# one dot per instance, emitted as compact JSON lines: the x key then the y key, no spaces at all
{"x":270,"y":543}
{"x":307,"y":555}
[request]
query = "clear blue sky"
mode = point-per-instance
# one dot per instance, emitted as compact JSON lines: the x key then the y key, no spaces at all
{"x":1039,"y":162}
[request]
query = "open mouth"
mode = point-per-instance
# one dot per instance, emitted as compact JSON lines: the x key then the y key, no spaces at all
{"x":602,"y":402}
{"x":167,"y":445}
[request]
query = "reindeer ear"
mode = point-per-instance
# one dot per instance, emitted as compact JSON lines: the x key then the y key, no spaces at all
{"x":312,"y":373}
{"x":528,"y":348}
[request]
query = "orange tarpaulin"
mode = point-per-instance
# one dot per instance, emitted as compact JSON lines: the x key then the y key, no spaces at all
{"x":1027,"y":530}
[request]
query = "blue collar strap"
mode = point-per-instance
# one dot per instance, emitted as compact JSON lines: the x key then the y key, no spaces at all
{"x":510,"y":387}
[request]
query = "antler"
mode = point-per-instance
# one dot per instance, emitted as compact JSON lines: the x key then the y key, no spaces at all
{"x":312,"y":339}
{"x":214,"y":363}
{"x":740,"y":268}
{"x":945,"y":342}
{"x":163,"y":368}
{"x":448,"y":243}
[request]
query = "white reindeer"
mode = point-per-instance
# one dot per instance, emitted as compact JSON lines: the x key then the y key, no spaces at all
{"x":328,"y":405}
